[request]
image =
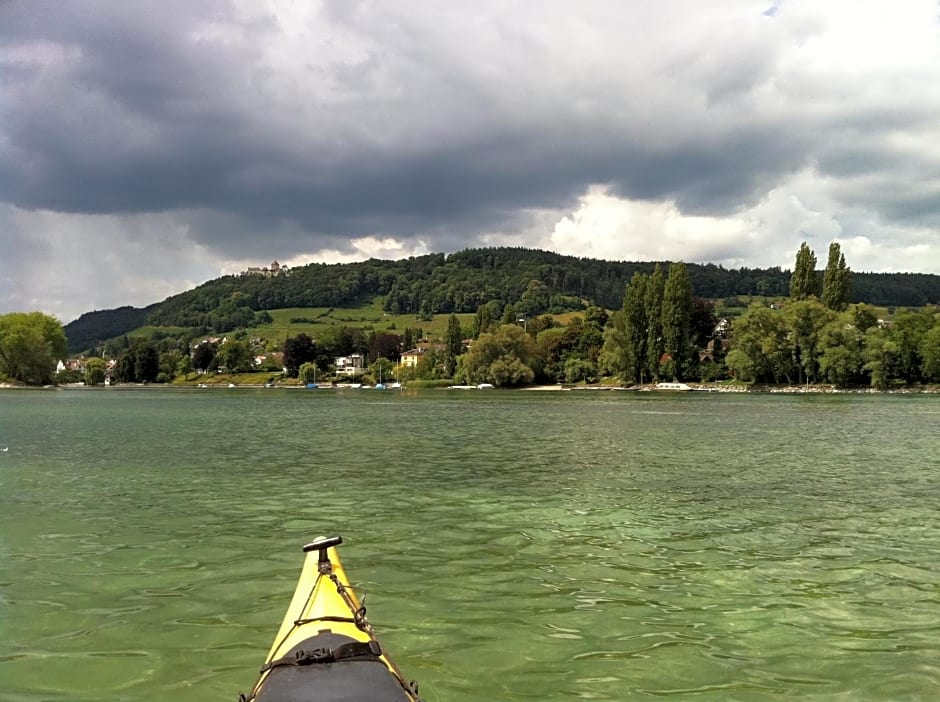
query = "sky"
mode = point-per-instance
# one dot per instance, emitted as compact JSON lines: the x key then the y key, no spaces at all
{"x":146,"y":147}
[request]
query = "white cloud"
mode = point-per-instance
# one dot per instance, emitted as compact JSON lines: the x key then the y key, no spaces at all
{"x":66,"y":264}
{"x":216,"y":136}
{"x":767,"y":234}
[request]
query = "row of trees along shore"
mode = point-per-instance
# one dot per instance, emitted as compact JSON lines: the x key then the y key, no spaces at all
{"x":662,"y":331}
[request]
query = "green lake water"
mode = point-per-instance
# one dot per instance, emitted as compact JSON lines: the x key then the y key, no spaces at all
{"x":513,"y":545}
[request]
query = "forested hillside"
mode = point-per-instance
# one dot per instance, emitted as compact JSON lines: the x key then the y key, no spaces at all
{"x":534,"y":281}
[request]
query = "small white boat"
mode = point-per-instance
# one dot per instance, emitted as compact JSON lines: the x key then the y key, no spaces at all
{"x":485,"y":386}
{"x":673,"y":386}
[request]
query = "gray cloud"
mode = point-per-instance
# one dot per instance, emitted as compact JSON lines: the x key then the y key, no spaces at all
{"x":297,"y":130}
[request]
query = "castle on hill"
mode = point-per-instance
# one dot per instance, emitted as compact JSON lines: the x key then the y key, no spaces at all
{"x":275,"y":269}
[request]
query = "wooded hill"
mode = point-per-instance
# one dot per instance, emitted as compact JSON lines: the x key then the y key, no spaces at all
{"x":534,"y":281}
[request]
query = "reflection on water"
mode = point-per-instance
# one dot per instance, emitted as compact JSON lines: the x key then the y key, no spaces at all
{"x":513,"y":545}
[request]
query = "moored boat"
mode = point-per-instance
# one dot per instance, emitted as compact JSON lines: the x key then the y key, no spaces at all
{"x":326,"y":650}
{"x":681,"y":387}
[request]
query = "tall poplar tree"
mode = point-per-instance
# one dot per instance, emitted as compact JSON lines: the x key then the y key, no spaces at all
{"x":653,"y":301}
{"x":836,"y":280}
{"x":677,"y":320}
{"x":453,"y":345}
{"x":803,"y":282}
{"x":635,"y":326}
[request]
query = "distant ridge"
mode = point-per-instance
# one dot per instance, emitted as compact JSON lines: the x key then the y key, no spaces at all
{"x":461,"y":282}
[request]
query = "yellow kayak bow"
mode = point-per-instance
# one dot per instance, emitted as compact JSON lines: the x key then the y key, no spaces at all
{"x":326,"y":650}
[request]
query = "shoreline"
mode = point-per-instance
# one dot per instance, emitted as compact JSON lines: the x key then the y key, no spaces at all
{"x":742,"y":389}
{"x":560,"y":387}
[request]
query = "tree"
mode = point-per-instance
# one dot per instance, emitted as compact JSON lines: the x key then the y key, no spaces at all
{"x":578,"y":369}
{"x":930,"y":353}
{"x":146,"y":362}
{"x":453,"y":345}
{"x":31,"y":343}
{"x":124,"y":367}
{"x":677,"y":321}
{"x":298,"y":350}
{"x":613,"y":359}
{"x":635,"y":329}
{"x":841,"y":344}
{"x":907,"y":333}
{"x":185,"y":365}
{"x":762,"y":350}
{"x":95,"y":369}
{"x":408,"y":339}
{"x":235,"y":356}
{"x":382,"y":370}
{"x":204,"y":356}
{"x":385,"y":345}
{"x":307,"y":372}
{"x":169,"y":365}
{"x":805,"y":321}
{"x":429,"y":366}
{"x":653,"y":302}
{"x":501,"y":358}
{"x":880,"y":357}
{"x":837,"y":281}
{"x":803,"y":282}
{"x":864,"y":318}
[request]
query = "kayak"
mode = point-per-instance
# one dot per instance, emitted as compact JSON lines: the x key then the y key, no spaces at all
{"x":326,"y":650}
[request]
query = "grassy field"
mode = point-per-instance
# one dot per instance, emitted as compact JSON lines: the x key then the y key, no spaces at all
{"x":368,"y":317}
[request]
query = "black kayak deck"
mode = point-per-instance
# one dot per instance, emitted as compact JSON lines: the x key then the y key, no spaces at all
{"x":357,"y":679}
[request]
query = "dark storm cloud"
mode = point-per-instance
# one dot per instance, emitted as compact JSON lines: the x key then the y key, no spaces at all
{"x":377,"y":124}
{"x":125,"y":111}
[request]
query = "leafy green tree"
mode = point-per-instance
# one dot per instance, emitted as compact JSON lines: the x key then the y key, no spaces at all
{"x":837,"y":283}
{"x":124,"y":367}
{"x":169,"y":362}
{"x":578,"y":369}
{"x":408,"y":339}
{"x":205,"y":355}
{"x":805,"y":320}
{"x":383,"y":370}
{"x":804,"y":283}
{"x":841,"y":344}
{"x":486,"y":317}
{"x":539,"y":324}
{"x":930,"y":353}
{"x":307,"y":372}
{"x":881,"y":355}
{"x":299,"y":350}
{"x":31,"y":343}
{"x":907,"y":333}
{"x":95,"y":371}
{"x":185,"y":365}
{"x":501,"y":358}
{"x":550,"y":354}
{"x":614,"y":359}
{"x":429,"y":366}
{"x":702,"y":322}
{"x":864,"y":318}
{"x":535,"y":299}
{"x":677,"y":320}
{"x":508,"y":371}
{"x":453,"y":345}
{"x":235,"y":356}
{"x":146,"y":362}
{"x":762,"y":348}
{"x":629,"y":332}
{"x":653,"y":302}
